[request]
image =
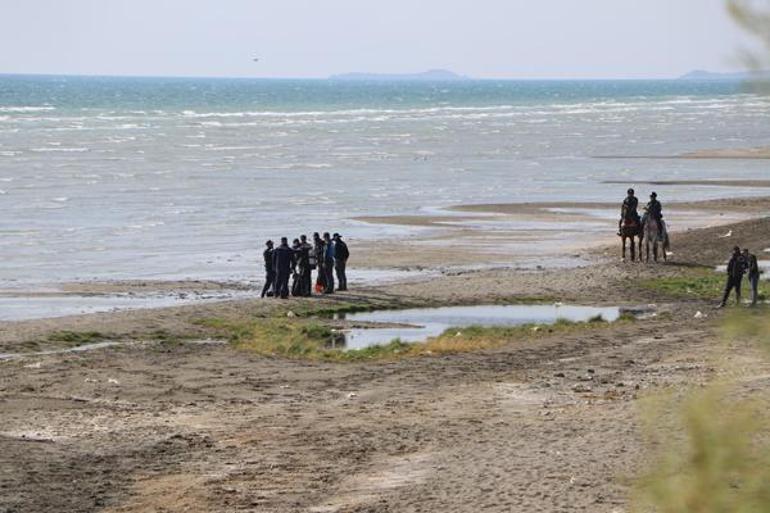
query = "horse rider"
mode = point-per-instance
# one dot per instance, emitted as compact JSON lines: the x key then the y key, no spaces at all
{"x":629,"y":210}
{"x":655,"y":211}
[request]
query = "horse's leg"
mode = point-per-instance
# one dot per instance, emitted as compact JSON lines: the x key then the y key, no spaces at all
{"x":633,"y":248}
{"x":655,"y":250}
{"x":623,"y":252}
{"x":641,"y":238}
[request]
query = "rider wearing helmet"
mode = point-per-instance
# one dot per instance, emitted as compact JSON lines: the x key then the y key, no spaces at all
{"x":655,"y":211}
{"x":629,"y":209}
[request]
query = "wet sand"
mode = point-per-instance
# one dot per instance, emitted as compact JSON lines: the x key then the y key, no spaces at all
{"x":762,"y":152}
{"x":546,"y":424}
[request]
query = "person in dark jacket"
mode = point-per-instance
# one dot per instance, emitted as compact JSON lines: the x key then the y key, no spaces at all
{"x":341,"y":255}
{"x":283,"y":263}
{"x":267,"y":255}
{"x":655,"y":211}
{"x":328,"y":263}
{"x":629,"y":209}
{"x":735,"y":269}
{"x":752,"y":267}
{"x":304,"y":266}
{"x":318,"y":254}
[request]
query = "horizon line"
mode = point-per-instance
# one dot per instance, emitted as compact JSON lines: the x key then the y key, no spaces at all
{"x":332,"y":77}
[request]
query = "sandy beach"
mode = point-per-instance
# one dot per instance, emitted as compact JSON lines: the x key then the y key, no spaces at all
{"x":174,"y":417}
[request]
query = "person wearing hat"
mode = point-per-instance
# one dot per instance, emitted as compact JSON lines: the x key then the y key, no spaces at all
{"x":341,"y":255}
{"x":629,"y":209}
{"x":655,"y":211}
{"x":267,"y":255}
{"x":735,"y":269}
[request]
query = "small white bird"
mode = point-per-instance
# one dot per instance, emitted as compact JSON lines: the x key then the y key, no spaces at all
{"x":728,"y":234}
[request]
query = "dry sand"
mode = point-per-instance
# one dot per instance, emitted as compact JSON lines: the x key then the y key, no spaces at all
{"x":545,"y":426}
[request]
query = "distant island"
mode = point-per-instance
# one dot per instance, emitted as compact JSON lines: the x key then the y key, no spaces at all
{"x":433,"y":75}
{"x":740,"y":75}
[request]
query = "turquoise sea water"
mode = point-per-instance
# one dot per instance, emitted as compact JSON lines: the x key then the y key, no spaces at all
{"x":172,"y":178}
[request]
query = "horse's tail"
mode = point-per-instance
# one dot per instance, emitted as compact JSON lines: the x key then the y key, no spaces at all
{"x":666,"y":240}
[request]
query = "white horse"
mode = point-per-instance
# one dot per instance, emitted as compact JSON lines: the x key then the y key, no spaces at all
{"x":653,"y":236}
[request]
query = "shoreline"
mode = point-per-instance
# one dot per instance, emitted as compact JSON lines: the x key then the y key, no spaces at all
{"x":176,"y":414}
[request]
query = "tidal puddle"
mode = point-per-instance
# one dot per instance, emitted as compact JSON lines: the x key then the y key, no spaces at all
{"x":764,"y":268}
{"x":419,"y":324}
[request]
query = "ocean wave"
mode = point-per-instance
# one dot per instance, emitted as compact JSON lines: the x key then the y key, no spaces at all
{"x":63,"y":150}
{"x":11,"y":109}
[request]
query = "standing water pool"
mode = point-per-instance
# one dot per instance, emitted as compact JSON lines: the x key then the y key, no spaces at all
{"x":419,"y":324}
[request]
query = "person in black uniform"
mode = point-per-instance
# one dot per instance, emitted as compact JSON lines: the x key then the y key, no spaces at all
{"x":629,"y":210}
{"x":655,"y":211}
{"x":295,"y":278}
{"x":341,"y":255}
{"x":304,"y":265}
{"x":269,"y":288}
{"x":283,"y":263}
{"x":735,"y":269}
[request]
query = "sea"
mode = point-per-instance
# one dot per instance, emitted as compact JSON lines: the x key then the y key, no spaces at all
{"x":106,"y":178}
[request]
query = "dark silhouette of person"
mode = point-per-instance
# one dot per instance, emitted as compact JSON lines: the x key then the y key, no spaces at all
{"x":304,"y":266}
{"x":752,"y":266}
{"x":267,"y":255}
{"x":735,"y":269}
{"x":319,"y":249}
{"x":328,"y":263}
{"x":283,"y":263}
{"x":341,"y":255}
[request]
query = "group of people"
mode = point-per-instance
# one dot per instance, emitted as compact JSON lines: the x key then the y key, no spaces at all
{"x":326,"y":254}
{"x":629,"y":211}
{"x":741,"y":262}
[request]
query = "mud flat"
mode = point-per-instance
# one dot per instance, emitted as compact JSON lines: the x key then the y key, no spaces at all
{"x":547,"y":421}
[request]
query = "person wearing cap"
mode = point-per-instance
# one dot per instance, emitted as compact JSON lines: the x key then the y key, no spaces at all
{"x":629,"y":210}
{"x":283,"y":263}
{"x":735,"y":269}
{"x":655,"y":211}
{"x":267,"y":255}
{"x":341,"y":255}
{"x":328,"y":266}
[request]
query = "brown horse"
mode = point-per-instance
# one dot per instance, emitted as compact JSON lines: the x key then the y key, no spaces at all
{"x":631,"y":229}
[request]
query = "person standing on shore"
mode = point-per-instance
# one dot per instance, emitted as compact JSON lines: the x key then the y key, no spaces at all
{"x":267,"y":255}
{"x":735,"y":269}
{"x":341,"y":255}
{"x":753,"y":270}
{"x":328,"y":263}
{"x":283,"y":262}
{"x":318,"y":253}
{"x":304,"y":265}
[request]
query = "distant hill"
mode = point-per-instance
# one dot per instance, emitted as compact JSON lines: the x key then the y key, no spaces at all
{"x":433,"y":75}
{"x":741,"y":75}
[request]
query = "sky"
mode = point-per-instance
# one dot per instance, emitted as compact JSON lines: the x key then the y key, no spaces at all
{"x":317,"y":38}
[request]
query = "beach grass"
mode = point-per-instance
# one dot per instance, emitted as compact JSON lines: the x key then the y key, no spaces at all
{"x":313,"y":339}
{"x":712,"y":448}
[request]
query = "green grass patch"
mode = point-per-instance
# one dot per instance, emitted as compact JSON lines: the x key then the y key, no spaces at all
{"x":306,"y":338}
{"x":75,"y":338}
{"x":698,"y":284}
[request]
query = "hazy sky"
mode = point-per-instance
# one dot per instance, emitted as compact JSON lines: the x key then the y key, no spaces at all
{"x":315,"y":38}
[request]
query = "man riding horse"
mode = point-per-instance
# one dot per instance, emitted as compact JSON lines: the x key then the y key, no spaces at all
{"x":628,"y":212}
{"x":655,"y":211}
